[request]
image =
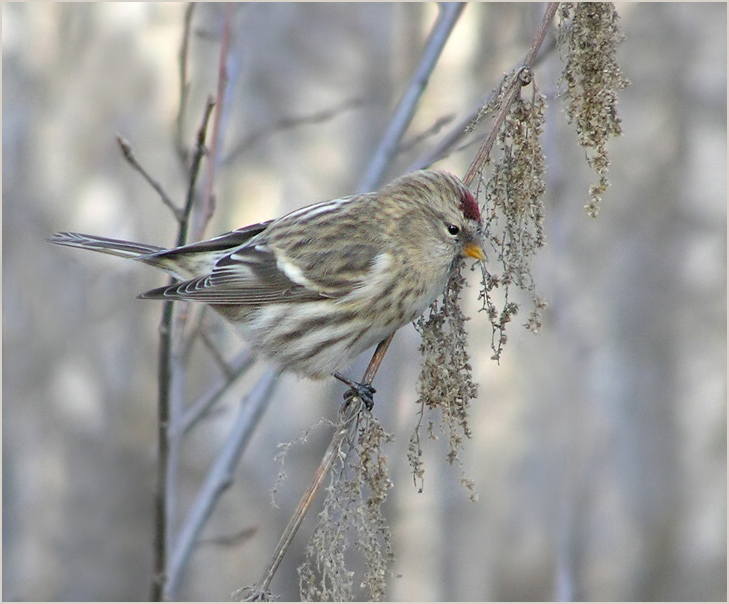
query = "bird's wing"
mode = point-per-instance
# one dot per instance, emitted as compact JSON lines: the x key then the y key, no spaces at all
{"x":298,"y":258}
{"x":254,"y":274}
{"x":248,"y":276}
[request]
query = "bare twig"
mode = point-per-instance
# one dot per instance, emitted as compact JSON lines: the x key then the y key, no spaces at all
{"x":220,"y":476}
{"x":126,"y":150}
{"x":450,"y":11}
{"x":173,"y":367}
{"x":212,"y":348}
{"x":439,"y":124}
{"x":376,"y":360}
{"x":199,"y":153}
{"x":233,"y":540}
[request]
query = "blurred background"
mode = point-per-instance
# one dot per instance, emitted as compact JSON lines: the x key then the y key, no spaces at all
{"x":599,"y":446}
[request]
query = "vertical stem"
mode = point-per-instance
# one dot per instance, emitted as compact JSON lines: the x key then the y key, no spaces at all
{"x":163,"y":417}
{"x":165,"y":374}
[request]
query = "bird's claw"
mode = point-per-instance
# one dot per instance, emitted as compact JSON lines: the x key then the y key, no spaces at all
{"x":357,"y":389}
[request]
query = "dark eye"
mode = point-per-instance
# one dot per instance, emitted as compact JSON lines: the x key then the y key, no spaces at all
{"x":453,"y":229}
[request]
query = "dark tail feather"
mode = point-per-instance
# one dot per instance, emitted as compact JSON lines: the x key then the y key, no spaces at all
{"x":115,"y":247}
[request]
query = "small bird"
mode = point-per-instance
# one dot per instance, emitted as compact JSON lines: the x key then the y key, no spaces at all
{"x":315,"y":288}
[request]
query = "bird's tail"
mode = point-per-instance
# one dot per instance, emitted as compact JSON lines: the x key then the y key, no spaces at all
{"x":115,"y":247}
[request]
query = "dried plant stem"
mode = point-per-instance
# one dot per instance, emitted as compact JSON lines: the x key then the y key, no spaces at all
{"x":521,"y":78}
{"x":347,"y":418}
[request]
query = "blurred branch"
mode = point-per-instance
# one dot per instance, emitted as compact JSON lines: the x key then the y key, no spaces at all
{"x":217,"y":355}
{"x":449,"y":13}
{"x":439,"y":124}
{"x":201,"y":408}
{"x":184,"y":84}
{"x":233,"y":540}
{"x":220,"y":476}
{"x":287,"y":123}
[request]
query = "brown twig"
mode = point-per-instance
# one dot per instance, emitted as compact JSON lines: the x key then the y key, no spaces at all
{"x":466,"y":124}
{"x":198,"y":154}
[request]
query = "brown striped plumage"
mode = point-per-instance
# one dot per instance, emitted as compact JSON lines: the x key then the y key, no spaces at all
{"x":313,"y":289}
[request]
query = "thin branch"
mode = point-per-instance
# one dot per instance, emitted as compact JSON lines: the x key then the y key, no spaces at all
{"x":199,"y":153}
{"x":212,"y":348}
{"x":233,"y":540}
{"x":450,"y":11}
{"x":126,"y":150}
{"x":220,"y":476}
{"x":439,"y":124}
{"x":376,"y":360}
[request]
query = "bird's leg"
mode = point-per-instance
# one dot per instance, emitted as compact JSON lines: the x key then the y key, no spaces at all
{"x":362,"y":390}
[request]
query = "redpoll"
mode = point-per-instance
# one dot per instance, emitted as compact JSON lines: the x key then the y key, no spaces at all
{"x":315,"y":288}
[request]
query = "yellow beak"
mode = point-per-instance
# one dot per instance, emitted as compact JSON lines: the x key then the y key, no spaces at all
{"x":473,"y":250}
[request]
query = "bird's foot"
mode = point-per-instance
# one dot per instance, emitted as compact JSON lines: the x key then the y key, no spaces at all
{"x":362,"y":391}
